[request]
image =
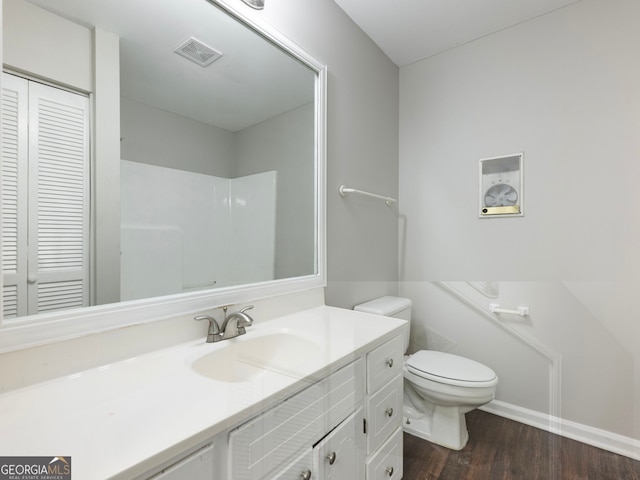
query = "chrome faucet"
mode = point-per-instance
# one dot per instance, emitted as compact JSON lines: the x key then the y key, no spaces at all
{"x":233,"y":325}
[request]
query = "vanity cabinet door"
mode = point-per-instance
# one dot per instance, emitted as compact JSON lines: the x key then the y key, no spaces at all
{"x":197,"y":466}
{"x":340,"y":455}
{"x":300,"y":469}
{"x":267,"y":443}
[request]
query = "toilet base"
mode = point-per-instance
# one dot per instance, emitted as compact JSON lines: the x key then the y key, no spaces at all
{"x":444,"y":426}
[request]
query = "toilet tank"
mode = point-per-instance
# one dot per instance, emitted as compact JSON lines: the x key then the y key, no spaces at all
{"x":396,"y":307}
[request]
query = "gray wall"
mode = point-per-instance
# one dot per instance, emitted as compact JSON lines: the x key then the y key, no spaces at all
{"x":158,"y":137}
{"x":362,"y":234}
{"x":260,"y":148}
{"x":563,"y":88}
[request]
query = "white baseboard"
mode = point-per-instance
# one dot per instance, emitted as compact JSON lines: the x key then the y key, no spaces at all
{"x":596,"y":437}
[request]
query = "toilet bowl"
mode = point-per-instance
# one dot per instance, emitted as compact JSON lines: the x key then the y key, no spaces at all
{"x":439,"y":388}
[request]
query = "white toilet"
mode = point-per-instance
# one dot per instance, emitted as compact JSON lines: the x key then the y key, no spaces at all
{"x":439,"y":388}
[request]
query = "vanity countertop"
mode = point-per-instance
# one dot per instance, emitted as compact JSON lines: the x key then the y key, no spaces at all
{"x":123,"y":419}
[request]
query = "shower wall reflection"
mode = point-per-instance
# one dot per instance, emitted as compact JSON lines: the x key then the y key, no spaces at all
{"x":231,"y":173}
{"x":184,"y":231}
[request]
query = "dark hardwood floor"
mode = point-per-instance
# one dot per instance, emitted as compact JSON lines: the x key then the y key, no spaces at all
{"x":501,"y":449}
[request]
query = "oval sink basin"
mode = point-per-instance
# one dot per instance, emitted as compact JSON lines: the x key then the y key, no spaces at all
{"x":246,"y":358}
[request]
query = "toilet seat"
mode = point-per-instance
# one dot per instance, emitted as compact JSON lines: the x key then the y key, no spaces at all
{"x":450,"y":369}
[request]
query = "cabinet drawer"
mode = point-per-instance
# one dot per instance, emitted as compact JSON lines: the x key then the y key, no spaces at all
{"x":384,"y":363}
{"x":384,"y":413}
{"x":386,"y":464}
{"x":275,"y":437}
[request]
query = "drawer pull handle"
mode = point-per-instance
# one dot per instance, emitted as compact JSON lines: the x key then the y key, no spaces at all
{"x":332,"y":458}
{"x":389,"y":470}
{"x":389,"y":362}
{"x":306,"y":475}
{"x":389,"y":412}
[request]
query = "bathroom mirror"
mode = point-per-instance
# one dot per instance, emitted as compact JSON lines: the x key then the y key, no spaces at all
{"x":245,"y":132}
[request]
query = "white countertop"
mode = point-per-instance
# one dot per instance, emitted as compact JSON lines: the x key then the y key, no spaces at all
{"x":123,"y":419}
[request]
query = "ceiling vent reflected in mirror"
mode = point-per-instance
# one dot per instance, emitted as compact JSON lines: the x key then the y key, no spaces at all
{"x":257,"y":4}
{"x":198,"y":52}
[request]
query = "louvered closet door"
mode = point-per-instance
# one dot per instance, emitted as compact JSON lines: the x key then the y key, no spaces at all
{"x":59,"y":199}
{"x":57,"y":218}
{"x":15,"y":121}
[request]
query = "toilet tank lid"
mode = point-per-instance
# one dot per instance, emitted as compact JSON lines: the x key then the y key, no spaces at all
{"x":384,"y":305}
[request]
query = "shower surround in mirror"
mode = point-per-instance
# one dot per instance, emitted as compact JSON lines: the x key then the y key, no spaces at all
{"x":185,"y":231}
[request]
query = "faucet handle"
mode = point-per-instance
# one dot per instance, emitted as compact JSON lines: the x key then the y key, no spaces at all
{"x":247,"y":319}
{"x":213,"y":334}
{"x":244,"y":320}
{"x":213,"y":324}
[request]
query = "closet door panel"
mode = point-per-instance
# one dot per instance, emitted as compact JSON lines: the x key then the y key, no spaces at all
{"x":15,"y":110}
{"x":59,"y":199}
{"x":45,"y":198}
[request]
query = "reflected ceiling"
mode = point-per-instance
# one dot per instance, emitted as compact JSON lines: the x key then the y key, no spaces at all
{"x":251,"y":82}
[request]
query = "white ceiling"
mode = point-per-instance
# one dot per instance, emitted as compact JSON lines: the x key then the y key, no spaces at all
{"x":409,"y":30}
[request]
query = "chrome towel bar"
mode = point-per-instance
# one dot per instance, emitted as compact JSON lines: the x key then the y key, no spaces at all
{"x":522,"y":311}
{"x":343,"y":190}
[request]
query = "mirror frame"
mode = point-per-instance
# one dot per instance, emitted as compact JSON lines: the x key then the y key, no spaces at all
{"x":53,"y":327}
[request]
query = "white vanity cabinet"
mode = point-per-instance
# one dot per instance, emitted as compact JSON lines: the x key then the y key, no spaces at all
{"x":323,"y":381}
{"x":345,"y":426}
{"x":383,"y":411}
